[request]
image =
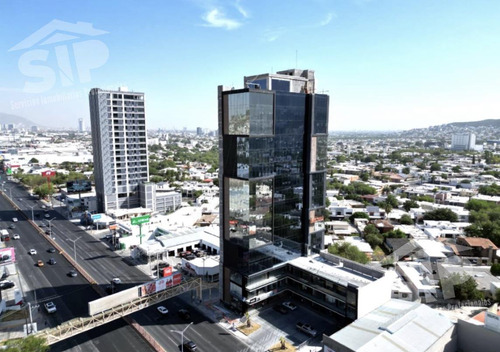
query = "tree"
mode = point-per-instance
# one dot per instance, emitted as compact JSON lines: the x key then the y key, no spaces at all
{"x":395,"y":234}
{"x":282,"y":342}
{"x":441,"y":214}
{"x":392,"y":200}
{"x":358,"y":215}
{"x":33,"y":161}
{"x":464,"y":287}
{"x":406,"y":220}
{"x":495,"y":269}
{"x":406,"y":170}
{"x":409,"y":204}
{"x":27,"y":344}
{"x":43,"y":190}
{"x":386,"y":206}
{"x":456,"y":169}
{"x":370,"y":229}
{"x":374,"y":240}
{"x":348,"y":251}
{"x":497,"y":295}
{"x":435,"y":167}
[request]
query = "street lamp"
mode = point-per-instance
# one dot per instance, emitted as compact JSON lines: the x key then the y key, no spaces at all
{"x":182,"y":335}
{"x":32,"y":214}
{"x":50,"y":226}
{"x":74,"y":247}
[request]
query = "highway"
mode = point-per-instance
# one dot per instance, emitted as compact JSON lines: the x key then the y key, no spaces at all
{"x":71,"y":294}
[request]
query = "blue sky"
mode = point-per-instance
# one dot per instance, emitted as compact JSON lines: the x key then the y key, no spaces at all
{"x":386,"y":64}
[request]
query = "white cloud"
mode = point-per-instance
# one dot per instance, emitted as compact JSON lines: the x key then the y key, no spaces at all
{"x":271,"y":35}
{"x":241,"y":10}
{"x":327,"y":19}
{"x":216,"y":18}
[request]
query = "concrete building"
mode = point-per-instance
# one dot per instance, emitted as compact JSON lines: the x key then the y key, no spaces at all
{"x":81,"y":125}
{"x":119,"y":144}
{"x":273,"y":143}
{"x":463,"y":141}
{"x":396,"y":326}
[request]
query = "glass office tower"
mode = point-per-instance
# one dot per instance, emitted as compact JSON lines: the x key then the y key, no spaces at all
{"x":273,"y":141}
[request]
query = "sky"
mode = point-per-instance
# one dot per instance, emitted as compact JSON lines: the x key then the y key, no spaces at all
{"x":386,"y":64}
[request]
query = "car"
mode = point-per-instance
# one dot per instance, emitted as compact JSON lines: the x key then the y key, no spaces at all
{"x":52,"y":261}
{"x":6,"y":284}
{"x":50,"y":307}
{"x":39,"y":263}
{"x":51,"y":250}
{"x":184,"y":314}
{"x":279,"y":308}
{"x":162,"y":310}
{"x":37,"y":215}
{"x":189,"y":346}
{"x":72,"y":273}
{"x":14,"y":219}
{"x":47,"y":215}
{"x":43,"y":206}
{"x":16,"y":236}
{"x":116,"y":280}
{"x":306,"y":328}
{"x":32,"y":251}
{"x":12,"y":226}
{"x":289,"y":305}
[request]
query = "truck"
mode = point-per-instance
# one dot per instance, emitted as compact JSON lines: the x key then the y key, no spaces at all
{"x":5,"y":236}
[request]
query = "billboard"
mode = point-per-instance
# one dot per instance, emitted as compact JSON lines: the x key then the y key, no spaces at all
{"x":140,"y":220}
{"x":78,"y":186}
{"x":105,"y":303}
{"x":161,"y":284}
{"x":7,"y":255}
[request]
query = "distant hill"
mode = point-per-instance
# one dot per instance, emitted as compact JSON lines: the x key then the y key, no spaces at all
{"x":483,"y":123}
{"x":18,"y":121}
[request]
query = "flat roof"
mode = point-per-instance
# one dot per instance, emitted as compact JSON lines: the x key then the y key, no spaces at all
{"x":331,"y":271}
{"x":396,"y":325}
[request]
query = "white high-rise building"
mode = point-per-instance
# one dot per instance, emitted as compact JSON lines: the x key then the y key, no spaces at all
{"x":463,"y":141}
{"x":119,"y":141}
{"x":81,"y":125}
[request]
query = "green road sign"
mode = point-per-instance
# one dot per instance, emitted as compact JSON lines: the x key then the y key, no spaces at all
{"x":140,"y":220}
{"x":9,"y":171}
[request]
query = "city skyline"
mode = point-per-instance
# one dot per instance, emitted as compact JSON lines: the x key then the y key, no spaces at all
{"x":387,"y":65}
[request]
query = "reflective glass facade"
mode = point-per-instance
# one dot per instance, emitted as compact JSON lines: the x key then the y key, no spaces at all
{"x":272,"y":184}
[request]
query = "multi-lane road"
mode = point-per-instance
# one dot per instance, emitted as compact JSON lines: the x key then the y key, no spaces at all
{"x":71,"y":294}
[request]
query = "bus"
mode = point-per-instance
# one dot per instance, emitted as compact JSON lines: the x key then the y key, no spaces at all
{"x":5,"y":235}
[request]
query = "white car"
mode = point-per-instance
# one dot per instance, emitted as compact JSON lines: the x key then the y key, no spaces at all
{"x":289,"y":305}
{"x":16,"y":236}
{"x":32,"y":252}
{"x":50,"y":307}
{"x":47,"y":215}
{"x":306,"y":328}
{"x":162,"y":310}
{"x":116,"y":280}
{"x":14,"y":219}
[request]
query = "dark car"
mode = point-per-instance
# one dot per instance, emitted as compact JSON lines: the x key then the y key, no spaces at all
{"x":184,"y":314}
{"x":12,"y":226}
{"x":190,"y":346}
{"x":72,"y":273}
{"x":280,"y":308}
{"x":51,"y":250}
{"x":6,"y":284}
{"x":52,"y":261}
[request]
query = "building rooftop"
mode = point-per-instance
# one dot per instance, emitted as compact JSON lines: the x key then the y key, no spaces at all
{"x":395,"y":326}
{"x":332,"y":271}
{"x":484,"y":243}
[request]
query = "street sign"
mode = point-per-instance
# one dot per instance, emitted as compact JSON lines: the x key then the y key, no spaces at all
{"x":140,"y":220}
{"x":96,"y":216}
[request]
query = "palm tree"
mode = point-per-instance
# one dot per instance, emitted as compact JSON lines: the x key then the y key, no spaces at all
{"x":282,"y":341}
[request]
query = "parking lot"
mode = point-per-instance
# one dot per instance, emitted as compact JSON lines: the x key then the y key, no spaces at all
{"x":282,"y":323}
